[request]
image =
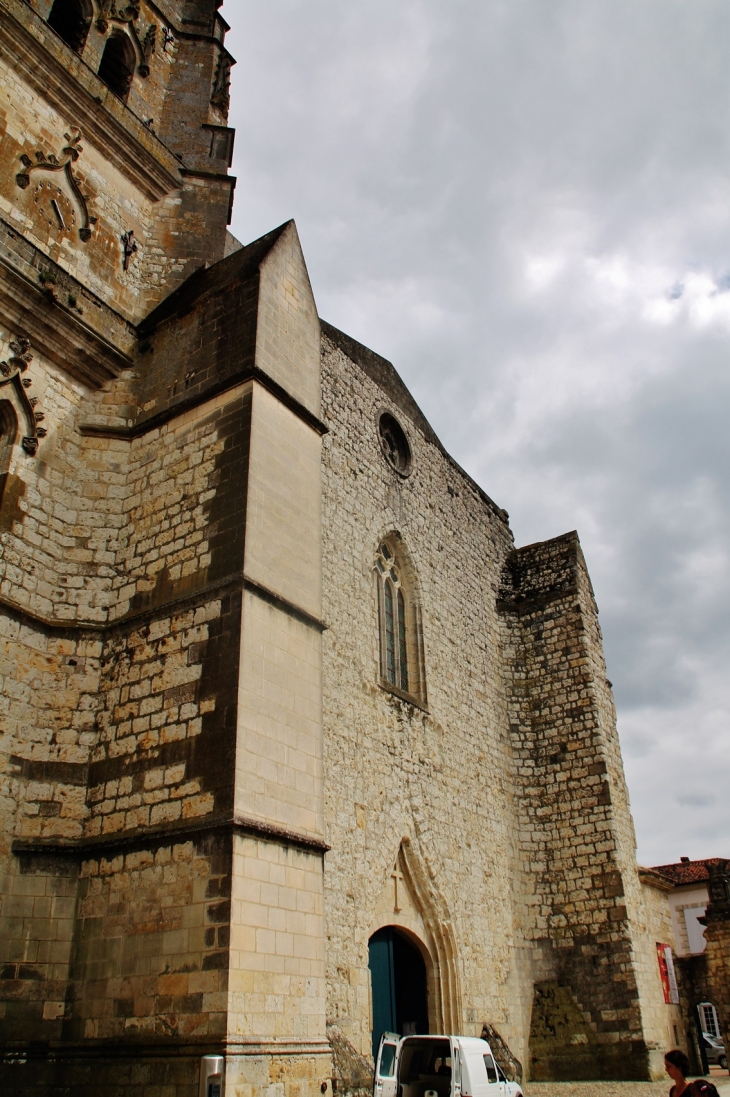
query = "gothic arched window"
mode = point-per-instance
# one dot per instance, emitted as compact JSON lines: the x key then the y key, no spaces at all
{"x":117,"y":64}
{"x":399,"y":622}
{"x":71,"y":20}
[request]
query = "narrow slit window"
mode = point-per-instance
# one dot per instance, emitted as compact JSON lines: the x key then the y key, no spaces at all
{"x":402,"y":648}
{"x":389,"y":635}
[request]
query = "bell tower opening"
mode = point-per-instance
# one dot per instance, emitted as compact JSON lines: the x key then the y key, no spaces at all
{"x":399,"y":985}
{"x":71,"y":20}
{"x":117,"y":64}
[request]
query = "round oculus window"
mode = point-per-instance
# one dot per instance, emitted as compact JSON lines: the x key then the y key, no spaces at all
{"x":394,"y":444}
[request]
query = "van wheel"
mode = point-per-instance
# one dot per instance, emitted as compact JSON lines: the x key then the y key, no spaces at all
{"x":723,"y":1062}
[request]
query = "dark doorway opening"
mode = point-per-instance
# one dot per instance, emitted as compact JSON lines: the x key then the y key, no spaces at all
{"x":398,"y":980}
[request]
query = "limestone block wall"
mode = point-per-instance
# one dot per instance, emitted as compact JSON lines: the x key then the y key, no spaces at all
{"x":576,"y":831}
{"x":103,"y":723}
{"x":437,"y":777}
{"x":150,"y":955}
{"x":61,"y":509}
{"x":277,"y":986}
{"x":185,"y":504}
{"x":287,"y":333}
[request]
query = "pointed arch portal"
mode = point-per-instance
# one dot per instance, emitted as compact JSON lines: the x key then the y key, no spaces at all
{"x":412,"y":952}
{"x":399,"y":985}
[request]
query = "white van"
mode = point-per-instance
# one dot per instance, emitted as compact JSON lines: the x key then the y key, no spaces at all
{"x":438,"y":1066}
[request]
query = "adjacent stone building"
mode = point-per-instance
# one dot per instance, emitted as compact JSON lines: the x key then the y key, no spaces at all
{"x":691,"y":903}
{"x":296,"y":745}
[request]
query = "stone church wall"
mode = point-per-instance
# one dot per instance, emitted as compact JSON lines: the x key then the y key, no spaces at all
{"x":114,"y":749}
{"x":438,"y":777}
{"x":517,"y":745}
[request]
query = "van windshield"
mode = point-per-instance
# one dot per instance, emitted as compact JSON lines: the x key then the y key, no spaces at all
{"x":425,"y":1065}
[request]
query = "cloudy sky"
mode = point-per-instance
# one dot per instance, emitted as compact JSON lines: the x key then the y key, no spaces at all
{"x":525,"y":205}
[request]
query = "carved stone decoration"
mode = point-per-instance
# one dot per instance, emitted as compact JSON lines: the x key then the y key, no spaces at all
{"x":108,"y":12}
{"x":102,"y":20}
{"x":10,"y":372}
{"x":148,"y":48}
{"x":129,"y":245}
{"x":221,"y":94}
{"x":48,"y":162}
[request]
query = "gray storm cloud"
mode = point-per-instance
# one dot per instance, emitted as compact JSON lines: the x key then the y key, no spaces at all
{"x":526,"y":207}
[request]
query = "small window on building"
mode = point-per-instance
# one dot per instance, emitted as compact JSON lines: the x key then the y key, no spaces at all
{"x":399,"y":623}
{"x":710,"y":1021}
{"x":71,"y":20}
{"x":394,"y":444}
{"x":117,"y":64}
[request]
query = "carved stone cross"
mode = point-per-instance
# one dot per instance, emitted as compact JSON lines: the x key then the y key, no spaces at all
{"x":397,"y":877}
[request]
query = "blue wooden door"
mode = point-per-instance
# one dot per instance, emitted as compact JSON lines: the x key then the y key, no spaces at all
{"x":382,"y":979}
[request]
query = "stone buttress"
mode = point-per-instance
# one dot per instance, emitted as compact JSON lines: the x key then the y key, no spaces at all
{"x":582,"y":901}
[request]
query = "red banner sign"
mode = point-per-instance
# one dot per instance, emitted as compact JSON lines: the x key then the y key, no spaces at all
{"x":668,"y":975}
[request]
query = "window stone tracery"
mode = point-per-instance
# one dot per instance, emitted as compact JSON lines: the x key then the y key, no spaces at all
{"x":399,"y":624}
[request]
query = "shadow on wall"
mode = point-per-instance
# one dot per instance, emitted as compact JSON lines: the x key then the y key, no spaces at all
{"x":565,"y":1047}
{"x":352,"y":1073}
{"x":510,"y":1066}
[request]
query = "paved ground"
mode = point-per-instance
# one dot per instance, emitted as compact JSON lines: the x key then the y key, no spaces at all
{"x":616,"y":1089}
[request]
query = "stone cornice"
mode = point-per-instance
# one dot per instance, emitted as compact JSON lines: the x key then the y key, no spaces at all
{"x":654,"y":879}
{"x":182,"y":1047}
{"x":104,"y":845}
{"x":219,"y":589}
{"x":59,"y":76}
{"x":92,"y":346}
{"x":249,"y":373}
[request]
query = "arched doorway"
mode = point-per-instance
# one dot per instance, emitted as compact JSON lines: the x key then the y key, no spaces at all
{"x":399,"y":985}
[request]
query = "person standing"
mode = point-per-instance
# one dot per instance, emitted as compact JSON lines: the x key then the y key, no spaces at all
{"x":677,"y":1067}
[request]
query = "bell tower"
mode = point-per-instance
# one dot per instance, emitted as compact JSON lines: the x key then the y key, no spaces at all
{"x":116,"y":146}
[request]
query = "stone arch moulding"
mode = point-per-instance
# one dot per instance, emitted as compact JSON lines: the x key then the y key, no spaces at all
{"x":144,"y":44}
{"x":48,"y":162}
{"x":429,"y":927}
{"x":13,"y":381}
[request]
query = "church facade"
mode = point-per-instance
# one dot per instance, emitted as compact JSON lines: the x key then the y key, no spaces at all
{"x":297,"y":746}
